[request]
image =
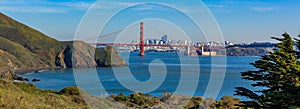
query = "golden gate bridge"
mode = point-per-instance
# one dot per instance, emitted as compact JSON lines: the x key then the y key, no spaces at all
{"x":198,"y":50}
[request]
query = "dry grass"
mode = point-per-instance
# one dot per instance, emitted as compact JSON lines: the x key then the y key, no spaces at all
{"x":19,"y":95}
{"x":26,"y":96}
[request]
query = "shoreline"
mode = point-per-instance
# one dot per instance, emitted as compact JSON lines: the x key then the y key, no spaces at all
{"x":23,"y":71}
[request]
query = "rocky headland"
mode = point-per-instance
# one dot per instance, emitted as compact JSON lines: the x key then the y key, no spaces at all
{"x":24,"y":49}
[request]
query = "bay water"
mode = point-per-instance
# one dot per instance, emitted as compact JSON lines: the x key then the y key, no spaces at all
{"x":164,"y":70}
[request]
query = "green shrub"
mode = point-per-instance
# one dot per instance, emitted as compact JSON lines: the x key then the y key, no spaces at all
{"x":72,"y":90}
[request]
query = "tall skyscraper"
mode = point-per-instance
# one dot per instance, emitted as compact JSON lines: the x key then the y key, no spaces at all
{"x":164,"y":39}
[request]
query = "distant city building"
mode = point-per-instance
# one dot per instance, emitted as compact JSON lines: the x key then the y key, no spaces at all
{"x":185,"y":42}
{"x":149,"y":42}
{"x":134,"y":42}
{"x":156,"y":41}
{"x":164,"y":39}
{"x":172,"y":42}
{"x":230,"y":44}
{"x":161,"y":42}
{"x":227,"y":43}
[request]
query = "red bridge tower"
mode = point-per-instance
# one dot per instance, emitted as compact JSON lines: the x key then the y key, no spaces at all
{"x":142,"y":42}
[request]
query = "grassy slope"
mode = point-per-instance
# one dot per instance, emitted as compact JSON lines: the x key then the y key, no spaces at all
{"x":24,"y":35}
{"x":26,"y":96}
{"x":8,"y":61}
{"x":27,"y":58}
{"x":24,"y":39}
{"x":21,"y":95}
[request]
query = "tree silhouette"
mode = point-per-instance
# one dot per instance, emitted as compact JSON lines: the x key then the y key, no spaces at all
{"x":277,"y":78}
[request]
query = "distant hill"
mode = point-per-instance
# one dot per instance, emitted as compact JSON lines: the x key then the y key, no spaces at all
{"x":22,"y":47}
{"x":248,"y":51}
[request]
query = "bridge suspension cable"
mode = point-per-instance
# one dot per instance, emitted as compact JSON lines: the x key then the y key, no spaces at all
{"x":153,"y":29}
{"x":298,"y":31}
{"x":116,"y":33}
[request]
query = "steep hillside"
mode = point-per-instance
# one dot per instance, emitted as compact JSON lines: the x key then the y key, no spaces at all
{"x":8,"y":61}
{"x":25,"y":48}
{"x":19,"y":53}
{"x":24,"y":35}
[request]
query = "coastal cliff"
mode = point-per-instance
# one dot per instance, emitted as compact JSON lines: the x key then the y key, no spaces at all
{"x":23,"y":48}
{"x":75,"y":54}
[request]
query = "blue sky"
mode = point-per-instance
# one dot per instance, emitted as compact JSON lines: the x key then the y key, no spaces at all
{"x":240,"y":20}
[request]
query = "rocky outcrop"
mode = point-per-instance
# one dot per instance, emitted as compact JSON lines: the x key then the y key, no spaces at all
{"x":79,"y":54}
{"x":109,"y":57}
{"x":76,"y":55}
{"x":35,"y":80}
{"x":11,"y":76}
{"x":7,"y":76}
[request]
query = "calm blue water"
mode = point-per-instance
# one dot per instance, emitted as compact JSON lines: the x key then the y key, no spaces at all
{"x":164,"y":67}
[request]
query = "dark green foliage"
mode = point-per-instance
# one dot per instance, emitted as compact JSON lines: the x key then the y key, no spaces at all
{"x":277,"y":76}
{"x":138,"y":100}
{"x":72,"y":90}
{"x":228,"y":102}
{"x":195,"y":103}
{"x":30,"y":88}
{"x":121,"y":98}
{"x":202,"y":103}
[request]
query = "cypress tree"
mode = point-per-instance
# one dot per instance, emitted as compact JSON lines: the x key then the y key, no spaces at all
{"x":277,"y":78}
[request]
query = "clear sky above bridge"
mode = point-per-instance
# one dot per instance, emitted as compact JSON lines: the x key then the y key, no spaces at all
{"x":239,"y":20}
